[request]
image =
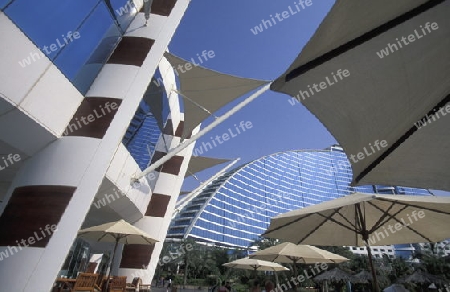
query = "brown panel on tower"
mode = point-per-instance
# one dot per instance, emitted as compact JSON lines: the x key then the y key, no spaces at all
{"x":131,"y":51}
{"x":30,"y":213}
{"x":158,"y":205}
{"x":136,"y":256}
{"x":171,"y":166}
{"x":168,"y":129}
{"x":93,"y":117}
{"x":162,"y":7}
{"x":180,"y":128}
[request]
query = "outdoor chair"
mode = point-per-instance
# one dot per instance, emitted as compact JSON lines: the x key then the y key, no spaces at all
{"x":118,"y":284}
{"x":137,"y":286}
{"x":144,"y":287}
{"x":134,"y":285}
{"x":86,"y":282}
{"x":101,"y":282}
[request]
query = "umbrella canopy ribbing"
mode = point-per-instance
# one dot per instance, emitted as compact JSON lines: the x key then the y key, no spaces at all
{"x":364,"y":219}
{"x":380,"y":219}
{"x":379,"y":72}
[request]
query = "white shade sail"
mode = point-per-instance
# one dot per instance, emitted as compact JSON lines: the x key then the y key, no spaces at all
{"x":370,"y":73}
{"x":199,"y":163}
{"x":208,"y":90}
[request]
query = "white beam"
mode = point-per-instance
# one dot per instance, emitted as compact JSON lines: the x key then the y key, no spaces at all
{"x":208,"y":128}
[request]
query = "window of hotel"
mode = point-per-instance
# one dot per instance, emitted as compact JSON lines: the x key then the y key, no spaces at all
{"x":268,"y":181}
{"x":78,"y":36}
{"x":144,"y":130}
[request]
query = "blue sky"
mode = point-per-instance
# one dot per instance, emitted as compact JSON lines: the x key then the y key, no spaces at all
{"x":225,"y":27}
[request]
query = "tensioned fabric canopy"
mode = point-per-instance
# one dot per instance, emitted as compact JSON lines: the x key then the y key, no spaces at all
{"x":199,"y":163}
{"x":206,"y":89}
{"x":374,"y":71}
{"x":154,"y":96}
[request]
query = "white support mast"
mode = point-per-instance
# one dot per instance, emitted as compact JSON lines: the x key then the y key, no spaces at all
{"x":208,"y":128}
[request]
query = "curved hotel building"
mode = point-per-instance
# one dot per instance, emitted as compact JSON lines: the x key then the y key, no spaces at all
{"x":79,"y":118}
{"x":235,"y":208}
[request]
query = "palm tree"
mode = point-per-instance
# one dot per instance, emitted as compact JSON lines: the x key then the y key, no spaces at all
{"x":433,"y":261}
{"x":399,"y":269}
{"x":263,"y":243}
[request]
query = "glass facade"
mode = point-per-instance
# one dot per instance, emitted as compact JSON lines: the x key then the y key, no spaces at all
{"x":146,"y":126}
{"x":405,"y":251}
{"x":236,"y":208}
{"x":77,"y":36}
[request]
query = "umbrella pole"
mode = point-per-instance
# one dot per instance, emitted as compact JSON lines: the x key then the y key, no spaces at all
{"x":112,"y":261}
{"x":372,"y":269}
{"x":276,"y":279}
{"x":295,"y":273}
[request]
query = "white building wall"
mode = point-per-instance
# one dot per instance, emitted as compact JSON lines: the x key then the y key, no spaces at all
{"x":45,"y":103}
{"x":166,"y":184}
{"x":441,"y":248}
{"x":377,"y":251}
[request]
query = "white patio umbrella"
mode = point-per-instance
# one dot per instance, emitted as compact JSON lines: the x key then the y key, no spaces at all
{"x":377,"y":75}
{"x":288,"y":252}
{"x":364,"y":219}
{"x":117,"y":232}
{"x":256,"y":265}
